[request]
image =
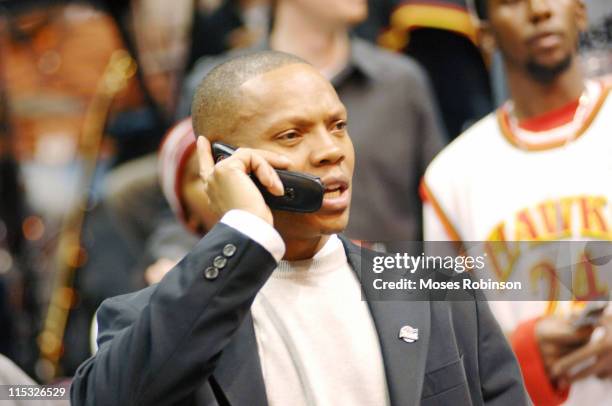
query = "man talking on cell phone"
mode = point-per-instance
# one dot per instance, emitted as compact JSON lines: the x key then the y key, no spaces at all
{"x":267,"y":308}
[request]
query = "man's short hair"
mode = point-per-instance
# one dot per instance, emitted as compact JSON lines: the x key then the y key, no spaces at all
{"x":217,"y":97}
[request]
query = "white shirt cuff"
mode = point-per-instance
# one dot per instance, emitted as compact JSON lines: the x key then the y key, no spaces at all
{"x":256,"y":229}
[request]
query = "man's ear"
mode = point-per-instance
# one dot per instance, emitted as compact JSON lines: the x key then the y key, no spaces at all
{"x":486,"y":39}
{"x":582,"y":19}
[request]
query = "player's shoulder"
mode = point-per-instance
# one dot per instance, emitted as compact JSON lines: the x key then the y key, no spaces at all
{"x":466,"y":150}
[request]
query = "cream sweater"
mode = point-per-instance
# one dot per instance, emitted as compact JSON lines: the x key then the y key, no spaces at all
{"x":316,"y":338}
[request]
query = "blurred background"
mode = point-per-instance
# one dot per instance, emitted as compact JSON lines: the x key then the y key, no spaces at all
{"x":87,"y":91}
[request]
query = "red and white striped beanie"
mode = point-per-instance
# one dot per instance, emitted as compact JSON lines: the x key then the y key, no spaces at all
{"x":176,"y":148}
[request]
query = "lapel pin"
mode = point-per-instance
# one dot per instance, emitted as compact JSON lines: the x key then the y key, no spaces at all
{"x":409,"y":334}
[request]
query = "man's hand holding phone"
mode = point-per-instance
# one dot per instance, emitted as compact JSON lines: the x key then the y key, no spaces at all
{"x":228,"y":185}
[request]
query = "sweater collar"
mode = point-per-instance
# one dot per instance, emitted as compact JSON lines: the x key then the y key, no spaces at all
{"x":329,"y":258}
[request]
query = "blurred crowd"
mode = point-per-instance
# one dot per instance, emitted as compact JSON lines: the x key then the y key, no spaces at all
{"x":88,"y":89}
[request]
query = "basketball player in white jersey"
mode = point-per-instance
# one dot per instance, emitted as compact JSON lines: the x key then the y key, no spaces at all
{"x":537,"y":169}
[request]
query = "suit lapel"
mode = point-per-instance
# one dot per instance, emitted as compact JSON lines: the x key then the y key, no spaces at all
{"x":404,"y":362}
{"x":238,"y":372}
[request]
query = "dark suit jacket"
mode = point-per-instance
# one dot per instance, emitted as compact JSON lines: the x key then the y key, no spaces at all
{"x":190,"y":341}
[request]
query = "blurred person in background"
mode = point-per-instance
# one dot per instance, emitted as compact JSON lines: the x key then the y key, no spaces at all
{"x":54,"y":55}
{"x":441,"y":36}
{"x":537,"y":169}
{"x":394,"y":124}
{"x":50,"y":75}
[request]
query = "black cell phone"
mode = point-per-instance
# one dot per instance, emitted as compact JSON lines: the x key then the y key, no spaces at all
{"x":303,"y":192}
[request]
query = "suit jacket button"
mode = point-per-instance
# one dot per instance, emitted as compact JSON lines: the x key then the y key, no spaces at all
{"x":229,"y":250}
{"x":220,"y":262}
{"x":211,"y":273}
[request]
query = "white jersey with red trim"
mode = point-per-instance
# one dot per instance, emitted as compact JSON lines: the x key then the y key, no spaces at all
{"x":498,"y":182}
